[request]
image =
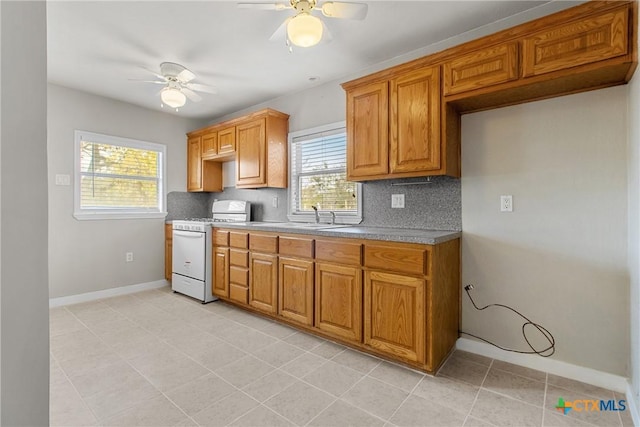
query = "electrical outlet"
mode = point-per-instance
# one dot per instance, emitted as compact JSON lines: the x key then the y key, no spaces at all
{"x":129,"y":256}
{"x":274,"y":202}
{"x":506,"y":203}
{"x":397,"y":201}
{"x":63,"y":179}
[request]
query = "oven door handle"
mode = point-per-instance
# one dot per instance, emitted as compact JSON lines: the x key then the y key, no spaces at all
{"x":191,"y":234}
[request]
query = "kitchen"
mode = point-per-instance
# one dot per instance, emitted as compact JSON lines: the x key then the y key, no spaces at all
{"x":505,"y":151}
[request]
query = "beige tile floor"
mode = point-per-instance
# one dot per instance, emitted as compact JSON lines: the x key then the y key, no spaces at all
{"x":161,"y":359}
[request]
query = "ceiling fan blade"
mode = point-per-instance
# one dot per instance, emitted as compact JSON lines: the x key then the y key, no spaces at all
{"x":264,"y":6}
{"x":202,"y":88}
{"x":149,"y":81}
{"x":185,"y":76}
{"x":281,"y":32}
{"x":161,"y":77}
{"x":191,"y":95}
{"x":336,"y":9}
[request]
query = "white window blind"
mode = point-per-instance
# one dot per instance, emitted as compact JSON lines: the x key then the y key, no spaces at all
{"x":318,"y":174}
{"x":118,"y":177}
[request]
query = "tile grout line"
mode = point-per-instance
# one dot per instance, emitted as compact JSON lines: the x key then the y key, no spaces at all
{"x":478,"y":392}
{"x":405,"y":399}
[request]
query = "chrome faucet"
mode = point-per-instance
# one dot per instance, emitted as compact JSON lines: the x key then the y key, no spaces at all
{"x":315,"y":208}
{"x":333,"y":217}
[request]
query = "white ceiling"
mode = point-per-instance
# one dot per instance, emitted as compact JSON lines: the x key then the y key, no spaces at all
{"x":97,"y":46}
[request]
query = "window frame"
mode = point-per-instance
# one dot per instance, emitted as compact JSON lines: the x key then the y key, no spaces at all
{"x":118,"y":213}
{"x":341,"y":217}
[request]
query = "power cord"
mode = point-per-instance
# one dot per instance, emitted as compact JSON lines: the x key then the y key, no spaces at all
{"x":549,"y":351}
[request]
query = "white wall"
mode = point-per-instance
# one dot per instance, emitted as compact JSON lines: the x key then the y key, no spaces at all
{"x":24,"y":319}
{"x":634,"y":235}
{"x":561,"y":256}
{"x":86,"y":256}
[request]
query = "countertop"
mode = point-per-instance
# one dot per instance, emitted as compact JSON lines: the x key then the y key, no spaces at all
{"x":409,"y":235}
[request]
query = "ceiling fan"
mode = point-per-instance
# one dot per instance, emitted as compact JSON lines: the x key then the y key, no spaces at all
{"x":303,"y":29}
{"x":178,"y":87}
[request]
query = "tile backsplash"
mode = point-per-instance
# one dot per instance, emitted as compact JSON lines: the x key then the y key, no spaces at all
{"x":435,"y":206}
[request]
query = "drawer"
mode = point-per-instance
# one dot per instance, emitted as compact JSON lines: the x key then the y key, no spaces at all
{"x":239,"y":258}
{"x":411,"y":260}
{"x":220,"y":237}
{"x":340,"y":252}
{"x":239,"y":293}
{"x":239,"y":240}
{"x":239,"y":275}
{"x":263,"y":243}
{"x":296,"y":246}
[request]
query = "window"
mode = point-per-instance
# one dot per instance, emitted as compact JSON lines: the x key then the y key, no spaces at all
{"x":318,"y":176}
{"x":117,"y":178}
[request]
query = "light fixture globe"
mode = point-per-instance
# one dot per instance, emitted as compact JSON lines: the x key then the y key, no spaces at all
{"x":173,"y":97}
{"x":304,"y":30}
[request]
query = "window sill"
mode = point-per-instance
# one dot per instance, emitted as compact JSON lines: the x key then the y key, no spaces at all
{"x":88,"y":216}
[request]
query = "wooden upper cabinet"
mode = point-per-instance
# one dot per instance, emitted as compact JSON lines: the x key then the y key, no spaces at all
{"x":251,"y":154}
{"x":368,"y":131}
{"x":481,"y":68}
{"x":210,"y":144}
{"x":194,"y":164}
{"x":202,"y":175}
{"x":415,"y":121}
{"x":227,"y":140}
{"x":577,"y":43}
{"x":261,"y":150}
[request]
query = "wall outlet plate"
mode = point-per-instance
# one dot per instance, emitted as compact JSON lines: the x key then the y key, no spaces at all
{"x":506,"y":203}
{"x":397,"y":201}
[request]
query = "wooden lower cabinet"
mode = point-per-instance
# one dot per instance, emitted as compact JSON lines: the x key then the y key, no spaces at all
{"x":394,"y":313}
{"x":221,"y":272}
{"x":400,"y":301}
{"x":263,"y":282}
{"x":338,"y":300}
{"x":295,"y":290}
{"x":168,"y":251}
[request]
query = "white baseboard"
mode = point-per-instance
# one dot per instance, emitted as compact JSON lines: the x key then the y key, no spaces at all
{"x":106,"y":293}
{"x":556,"y":367}
{"x":632,"y":406}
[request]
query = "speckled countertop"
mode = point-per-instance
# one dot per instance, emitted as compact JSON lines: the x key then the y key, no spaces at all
{"x":427,"y":237}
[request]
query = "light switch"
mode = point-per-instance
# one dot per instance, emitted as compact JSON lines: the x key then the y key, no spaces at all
{"x":63,"y":179}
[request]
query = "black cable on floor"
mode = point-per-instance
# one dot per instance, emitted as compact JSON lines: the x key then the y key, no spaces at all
{"x":549,"y":351}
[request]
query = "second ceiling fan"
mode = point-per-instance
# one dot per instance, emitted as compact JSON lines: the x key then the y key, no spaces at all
{"x":304,"y":29}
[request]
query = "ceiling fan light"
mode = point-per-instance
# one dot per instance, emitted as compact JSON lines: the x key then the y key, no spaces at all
{"x":304,"y":30}
{"x":172,"y":97}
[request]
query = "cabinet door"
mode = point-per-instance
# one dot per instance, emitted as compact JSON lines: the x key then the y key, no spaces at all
{"x":263,"y":282}
{"x":394,"y":317}
{"x":295,"y":290}
{"x":577,"y":43}
{"x":415,"y":121}
{"x":251,"y":154}
{"x":227,"y":140}
{"x":368,"y":131}
{"x":338,"y":301}
{"x":194,"y":164}
{"x":482,"y":68}
{"x":221,"y":272}
{"x":168,"y":249}
{"x":210,"y":144}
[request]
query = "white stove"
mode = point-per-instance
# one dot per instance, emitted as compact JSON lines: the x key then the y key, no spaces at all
{"x":192,"y":272}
